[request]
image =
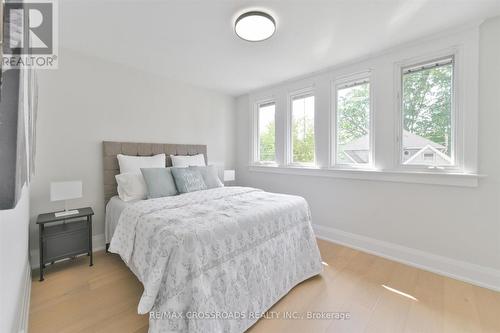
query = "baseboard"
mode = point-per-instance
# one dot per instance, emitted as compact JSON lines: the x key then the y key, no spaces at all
{"x":24,"y":302}
{"x":475,"y":274}
{"x":98,"y":244}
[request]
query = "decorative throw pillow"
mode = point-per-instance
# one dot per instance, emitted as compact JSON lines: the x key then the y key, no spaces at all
{"x":188,"y":180}
{"x":209,"y":174}
{"x":131,"y":186}
{"x":187,"y":160}
{"x":159,"y":182}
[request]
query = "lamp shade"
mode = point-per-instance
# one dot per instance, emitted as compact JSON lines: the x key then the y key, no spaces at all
{"x":229,"y":175}
{"x":65,"y":190}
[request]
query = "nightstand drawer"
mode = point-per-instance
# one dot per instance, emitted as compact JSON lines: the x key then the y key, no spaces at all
{"x":63,"y":240}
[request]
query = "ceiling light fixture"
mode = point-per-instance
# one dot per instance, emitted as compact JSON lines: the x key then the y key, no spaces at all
{"x":255,"y":26}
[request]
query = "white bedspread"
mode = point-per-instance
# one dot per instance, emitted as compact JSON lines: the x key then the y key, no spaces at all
{"x":212,"y":261}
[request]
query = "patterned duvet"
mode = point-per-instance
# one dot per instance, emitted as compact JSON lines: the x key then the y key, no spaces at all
{"x":214,"y":260}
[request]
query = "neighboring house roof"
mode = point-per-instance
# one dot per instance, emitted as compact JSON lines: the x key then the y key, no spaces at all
{"x":412,"y":141}
{"x":429,"y":148}
{"x":361,"y":143}
{"x":353,"y":157}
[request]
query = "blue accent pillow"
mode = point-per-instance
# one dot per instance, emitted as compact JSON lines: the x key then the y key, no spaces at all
{"x":159,"y":182}
{"x":188,"y":180}
{"x":209,"y":174}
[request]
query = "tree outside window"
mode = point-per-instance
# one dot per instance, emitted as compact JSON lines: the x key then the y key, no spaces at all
{"x":303,"y":129}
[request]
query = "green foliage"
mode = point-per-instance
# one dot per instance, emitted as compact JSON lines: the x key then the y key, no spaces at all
{"x":303,"y":139}
{"x":427,"y":104}
{"x":268,"y":143}
{"x":353,"y":113}
{"x":302,"y":136}
{"x":426,"y":112}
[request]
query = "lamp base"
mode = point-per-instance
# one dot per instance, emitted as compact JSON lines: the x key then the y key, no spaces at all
{"x":66,"y":213}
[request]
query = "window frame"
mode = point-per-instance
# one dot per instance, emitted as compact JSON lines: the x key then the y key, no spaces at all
{"x":344,"y":82}
{"x":386,"y":115}
{"x":256,"y":134}
{"x":457,"y":128}
{"x":304,"y":92}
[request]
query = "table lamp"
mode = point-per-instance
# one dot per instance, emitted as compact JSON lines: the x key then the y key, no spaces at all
{"x":65,"y":191}
{"x":229,"y":175}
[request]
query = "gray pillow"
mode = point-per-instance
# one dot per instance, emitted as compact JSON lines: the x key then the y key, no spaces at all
{"x":209,"y":174}
{"x":159,"y":182}
{"x":188,"y":180}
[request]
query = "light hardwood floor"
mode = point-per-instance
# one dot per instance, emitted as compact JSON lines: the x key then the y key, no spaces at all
{"x":103,"y":298}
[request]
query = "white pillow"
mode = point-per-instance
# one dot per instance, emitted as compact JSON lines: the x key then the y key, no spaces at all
{"x":185,"y":161}
{"x":131,"y":186}
{"x":134,"y":164}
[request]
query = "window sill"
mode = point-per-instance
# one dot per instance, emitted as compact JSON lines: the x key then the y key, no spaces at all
{"x":416,"y":177}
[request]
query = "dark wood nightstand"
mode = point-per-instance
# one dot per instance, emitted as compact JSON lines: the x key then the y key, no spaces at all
{"x":69,"y":238}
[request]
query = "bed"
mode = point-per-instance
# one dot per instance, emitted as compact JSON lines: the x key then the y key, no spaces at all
{"x":214,"y":260}
{"x":114,"y":209}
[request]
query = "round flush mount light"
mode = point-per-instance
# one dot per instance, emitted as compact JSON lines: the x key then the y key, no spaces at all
{"x":255,"y":26}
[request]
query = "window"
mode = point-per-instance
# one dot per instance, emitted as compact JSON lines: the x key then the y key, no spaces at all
{"x":266,"y":130}
{"x":409,"y":116}
{"x":427,"y":114}
{"x":302,"y":129}
{"x":352,"y":115}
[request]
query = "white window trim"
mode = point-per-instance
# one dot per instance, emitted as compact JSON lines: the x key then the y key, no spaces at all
{"x":288,"y":128}
{"x":398,"y":176}
{"x":255,"y":137}
{"x":456,"y":119}
{"x":463,"y":44}
{"x":336,"y":84}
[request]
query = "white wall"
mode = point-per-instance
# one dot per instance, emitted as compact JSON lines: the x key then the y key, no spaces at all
{"x":458,"y":232}
{"x":13,"y":263}
{"x":88,"y":100}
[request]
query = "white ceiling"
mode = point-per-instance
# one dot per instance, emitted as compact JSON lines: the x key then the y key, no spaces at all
{"x":194,"y":41}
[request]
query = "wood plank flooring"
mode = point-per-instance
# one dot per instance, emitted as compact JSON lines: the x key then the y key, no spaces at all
{"x":377,"y":294}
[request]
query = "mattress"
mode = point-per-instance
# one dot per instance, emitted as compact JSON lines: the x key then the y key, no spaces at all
{"x":114,"y":209}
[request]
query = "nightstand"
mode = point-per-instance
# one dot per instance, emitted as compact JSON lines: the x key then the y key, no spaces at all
{"x":64,"y":237}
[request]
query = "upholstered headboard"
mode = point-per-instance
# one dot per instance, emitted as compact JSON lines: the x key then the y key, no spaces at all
{"x":111,"y":149}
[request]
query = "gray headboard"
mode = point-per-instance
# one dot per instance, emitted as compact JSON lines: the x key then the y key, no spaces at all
{"x":110,"y":163}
